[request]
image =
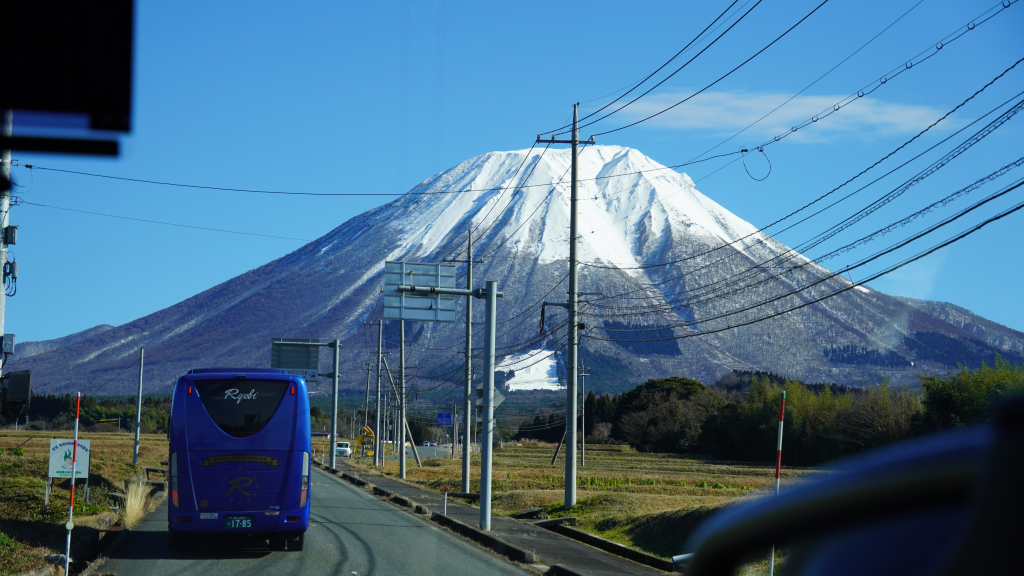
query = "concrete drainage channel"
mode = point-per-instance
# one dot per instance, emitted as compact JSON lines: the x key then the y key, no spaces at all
{"x":510,"y":551}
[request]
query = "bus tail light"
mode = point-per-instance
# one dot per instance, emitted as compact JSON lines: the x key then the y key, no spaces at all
{"x":304,"y":495}
{"x":293,"y":389}
{"x":173,"y":479}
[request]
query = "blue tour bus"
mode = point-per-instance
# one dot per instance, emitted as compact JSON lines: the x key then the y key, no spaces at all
{"x":239,"y":456}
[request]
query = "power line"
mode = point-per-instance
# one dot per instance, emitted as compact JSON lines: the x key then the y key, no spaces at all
{"x":723,"y":77}
{"x":805,"y":88}
{"x":677,"y":54}
{"x":800,"y":248}
{"x":852,"y":285}
{"x":863,"y":92}
{"x":245,"y":190}
{"x":20,"y":201}
{"x":861,"y":241}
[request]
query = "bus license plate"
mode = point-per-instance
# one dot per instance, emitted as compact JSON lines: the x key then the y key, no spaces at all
{"x":238,"y":522}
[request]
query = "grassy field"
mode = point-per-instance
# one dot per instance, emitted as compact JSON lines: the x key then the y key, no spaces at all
{"x":649,"y":501}
{"x":29,"y":528}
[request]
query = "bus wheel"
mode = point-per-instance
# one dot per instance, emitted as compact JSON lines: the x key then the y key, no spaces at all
{"x":295,"y":543}
{"x":277,"y":542}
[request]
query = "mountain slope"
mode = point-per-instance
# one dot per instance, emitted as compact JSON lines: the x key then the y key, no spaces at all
{"x":634,"y":213}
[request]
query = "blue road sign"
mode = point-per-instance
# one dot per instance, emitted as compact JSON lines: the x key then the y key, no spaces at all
{"x":445,"y":419}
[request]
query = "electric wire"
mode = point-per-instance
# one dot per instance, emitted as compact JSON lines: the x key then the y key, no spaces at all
{"x":852,"y":285}
{"x":851,"y":179}
{"x":25,"y":202}
{"x":859,"y":242}
{"x":659,"y":69}
{"x":805,"y":246}
{"x":723,"y":77}
{"x":819,"y":79}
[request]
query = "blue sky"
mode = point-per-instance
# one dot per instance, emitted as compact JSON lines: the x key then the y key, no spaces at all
{"x":376,"y":97}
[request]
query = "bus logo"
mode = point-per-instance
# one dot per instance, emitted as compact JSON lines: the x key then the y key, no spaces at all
{"x":234,"y":394}
{"x":238,"y":484}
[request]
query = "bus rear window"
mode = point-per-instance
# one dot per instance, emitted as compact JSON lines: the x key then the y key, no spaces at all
{"x":241,"y":407}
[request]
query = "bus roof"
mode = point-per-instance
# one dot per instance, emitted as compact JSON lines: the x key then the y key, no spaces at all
{"x":237,"y":371}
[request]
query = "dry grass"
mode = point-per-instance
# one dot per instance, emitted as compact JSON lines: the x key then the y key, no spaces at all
{"x":28,"y":528}
{"x":135,"y":502}
{"x":650,"y":501}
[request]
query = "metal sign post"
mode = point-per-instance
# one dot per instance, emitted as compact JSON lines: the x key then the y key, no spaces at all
{"x":301,"y":356}
{"x":415,"y":304}
{"x":487,"y":392}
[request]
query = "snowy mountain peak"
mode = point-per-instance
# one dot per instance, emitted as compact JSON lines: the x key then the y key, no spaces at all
{"x":700,"y":314}
{"x":628,"y":204}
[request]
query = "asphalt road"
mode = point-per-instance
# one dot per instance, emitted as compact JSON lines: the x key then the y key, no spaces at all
{"x":350,"y":533}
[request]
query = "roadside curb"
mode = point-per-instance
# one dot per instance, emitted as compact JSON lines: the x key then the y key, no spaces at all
{"x":397,"y":499}
{"x":612,"y":548}
{"x":498,"y":546}
{"x":353,"y":479}
{"x":559,"y":570}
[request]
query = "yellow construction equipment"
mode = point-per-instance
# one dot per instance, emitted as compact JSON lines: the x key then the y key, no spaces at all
{"x":365,"y":441}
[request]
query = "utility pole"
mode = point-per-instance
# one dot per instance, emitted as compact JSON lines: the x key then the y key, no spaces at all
{"x":138,"y":412}
{"x":384,"y":417}
{"x":401,"y":398}
{"x":366,"y":404}
{"x":583,"y":427}
{"x":378,"y":415}
{"x":466,"y":453}
{"x":490,"y":333}
{"x":573,"y":328}
{"x":486,"y":439}
{"x":5,"y":211}
{"x":336,"y":345}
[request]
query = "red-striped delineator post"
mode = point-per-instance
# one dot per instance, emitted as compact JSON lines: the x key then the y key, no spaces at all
{"x":71,"y":504}
{"x":778,"y":470}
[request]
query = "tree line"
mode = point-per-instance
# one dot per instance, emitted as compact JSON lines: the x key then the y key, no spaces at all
{"x":737,"y":419}
{"x":52,"y":412}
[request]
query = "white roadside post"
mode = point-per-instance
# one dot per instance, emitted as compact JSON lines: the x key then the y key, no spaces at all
{"x":71,"y":504}
{"x":778,"y":468}
{"x":138,"y":411}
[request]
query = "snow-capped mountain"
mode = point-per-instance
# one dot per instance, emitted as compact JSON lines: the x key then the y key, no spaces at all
{"x":635,"y":216}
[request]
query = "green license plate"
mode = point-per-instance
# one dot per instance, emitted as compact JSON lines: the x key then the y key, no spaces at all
{"x":238,"y":522}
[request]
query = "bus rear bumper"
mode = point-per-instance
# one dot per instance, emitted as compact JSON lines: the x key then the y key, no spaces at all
{"x":262,"y":521}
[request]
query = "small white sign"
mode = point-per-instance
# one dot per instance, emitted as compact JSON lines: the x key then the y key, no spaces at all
{"x":307,"y":375}
{"x":207,"y":515}
{"x":61,"y":453}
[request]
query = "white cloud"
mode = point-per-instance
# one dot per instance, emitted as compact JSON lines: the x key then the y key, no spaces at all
{"x":728,"y":112}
